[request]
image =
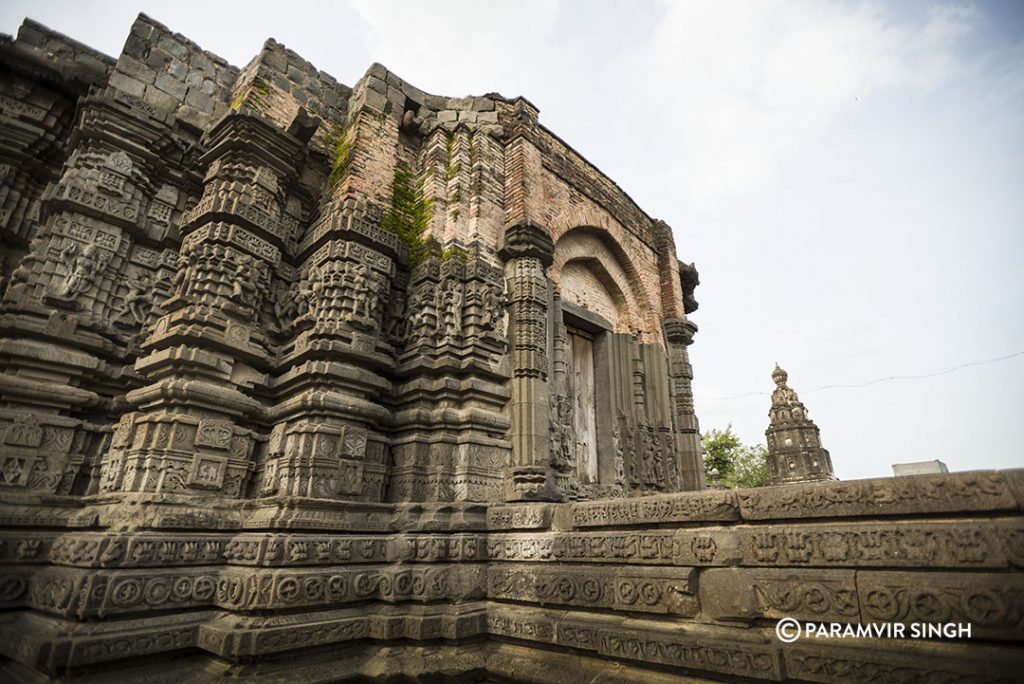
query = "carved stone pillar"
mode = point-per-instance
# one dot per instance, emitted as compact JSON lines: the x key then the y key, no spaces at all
{"x":95,"y":272}
{"x":195,"y":424}
{"x":326,"y":442}
{"x":528,"y":252}
{"x":678,"y":336}
{"x":449,"y":440}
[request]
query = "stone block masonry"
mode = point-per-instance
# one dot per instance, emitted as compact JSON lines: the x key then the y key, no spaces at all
{"x":308,"y":382}
{"x":672,"y":587}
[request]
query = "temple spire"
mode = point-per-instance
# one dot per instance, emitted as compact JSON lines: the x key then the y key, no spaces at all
{"x":795,"y":453}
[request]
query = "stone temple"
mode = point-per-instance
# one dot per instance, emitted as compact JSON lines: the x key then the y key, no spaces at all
{"x":795,"y":453}
{"x":308,"y":382}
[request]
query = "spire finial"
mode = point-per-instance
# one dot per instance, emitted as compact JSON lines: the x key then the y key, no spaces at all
{"x":779,"y":376}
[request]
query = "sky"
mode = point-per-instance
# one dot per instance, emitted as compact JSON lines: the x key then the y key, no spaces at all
{"x":848,"y":178}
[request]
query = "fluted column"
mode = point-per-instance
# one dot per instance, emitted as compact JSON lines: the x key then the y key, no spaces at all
{"x":528,"y":252}
{"x":678,"y":336}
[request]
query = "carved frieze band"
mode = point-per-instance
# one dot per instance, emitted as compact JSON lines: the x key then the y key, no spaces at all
{"x":981,"y":544}
{"x":95,"y":550}
{"x":946,"y":493}
{"x":921,"y":495}
{"x":72,"y":593}
{"x":705,"y":649}
{"x":647,"y":590}
{"x":689,"y":507}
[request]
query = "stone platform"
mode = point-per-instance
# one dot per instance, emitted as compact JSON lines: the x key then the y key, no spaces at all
{"x":663,"y":588}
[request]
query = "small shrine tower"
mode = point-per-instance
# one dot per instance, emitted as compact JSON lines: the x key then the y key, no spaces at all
{"x":795,"y":453}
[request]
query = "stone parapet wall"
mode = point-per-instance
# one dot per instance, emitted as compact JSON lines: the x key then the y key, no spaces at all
{"x":64,"y":51}
{"x":659,"y":588}
{"x":171,"y":73}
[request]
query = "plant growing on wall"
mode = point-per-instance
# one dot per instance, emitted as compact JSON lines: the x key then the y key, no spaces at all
{"x":341,"y":155}
{"x":256,"y":94}
{"x":409,"y":212}
{"x":455,"y":252}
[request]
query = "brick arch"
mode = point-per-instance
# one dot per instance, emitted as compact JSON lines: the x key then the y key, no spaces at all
{"x":611,"y":284}
{"x":580,"y":218}
{"x":598,"y":249}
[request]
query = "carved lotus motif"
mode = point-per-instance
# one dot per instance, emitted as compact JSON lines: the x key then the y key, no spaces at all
{"x":984,"y":607}
{"x":882,"y":604}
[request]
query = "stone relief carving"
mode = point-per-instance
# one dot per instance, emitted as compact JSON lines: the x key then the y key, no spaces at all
{"x":83,"y":267}
{"x":136,"y":306}
{"x":563,"y":439}
{"x":455,"y":306}
{"x":397,"y":322}
{"x":284,"y":304}
{"x":217,"y":488}
{"x":451,"y":307}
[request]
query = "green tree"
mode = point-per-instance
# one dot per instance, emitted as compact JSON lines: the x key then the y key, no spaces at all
{"x":719,"y":450}
{"x":750,"y":467}
{"x":739,"y":465}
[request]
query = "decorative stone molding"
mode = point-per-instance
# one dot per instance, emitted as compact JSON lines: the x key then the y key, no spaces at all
{"x":287,"y":391}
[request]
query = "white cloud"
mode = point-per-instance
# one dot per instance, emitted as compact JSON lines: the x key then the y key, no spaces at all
{"x":749,"y":84}
{"x":459,"y":47}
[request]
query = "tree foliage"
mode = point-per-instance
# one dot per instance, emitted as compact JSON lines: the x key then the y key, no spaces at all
{"x":719,"y":449}
{"x":739,"y":465}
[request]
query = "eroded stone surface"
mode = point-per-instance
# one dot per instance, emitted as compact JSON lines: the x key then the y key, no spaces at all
{"x":248,"y":430}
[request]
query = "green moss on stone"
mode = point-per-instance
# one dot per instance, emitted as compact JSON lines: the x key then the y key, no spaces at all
{"x":260,"y":86}
{"x":341,"y":155}
{"x":451,"y":169}
{"x":409,"y":213}
{"x":455,"y":252}
{"x":254,"y":94}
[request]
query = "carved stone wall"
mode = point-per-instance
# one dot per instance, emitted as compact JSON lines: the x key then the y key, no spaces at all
{"x":250,"y":282}
{"x":659,"y":588}
{"x":284,"y":394}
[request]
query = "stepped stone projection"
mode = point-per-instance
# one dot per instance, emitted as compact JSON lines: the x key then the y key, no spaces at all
{"x":309,"y":382}
{"x":795,"y":453}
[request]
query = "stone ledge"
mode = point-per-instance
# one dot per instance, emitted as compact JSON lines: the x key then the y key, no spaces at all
{"x":970,"y":492}
{"x":48,"y":644}
{"x":985,"y":491}
{"x":993,"y":603}
{"x":710,"y":505}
